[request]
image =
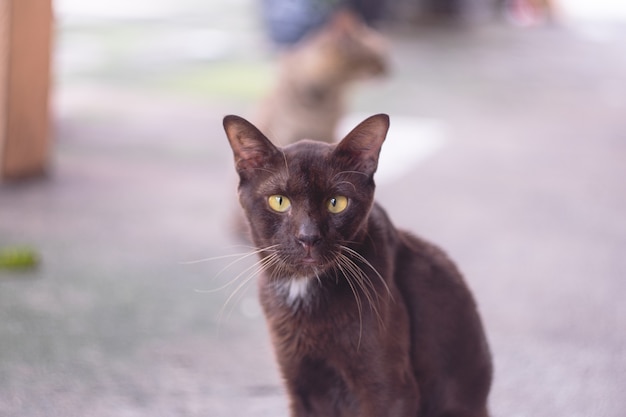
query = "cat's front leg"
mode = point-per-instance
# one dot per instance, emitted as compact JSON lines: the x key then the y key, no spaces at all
{"x":320,"y":389}
{"x":393,"y":398}
{"x":387,"y":402}
{"x":307,"y":404}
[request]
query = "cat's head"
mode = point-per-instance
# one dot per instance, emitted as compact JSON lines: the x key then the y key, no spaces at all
{"x":307,"y":201}
{"x":343,"y":50}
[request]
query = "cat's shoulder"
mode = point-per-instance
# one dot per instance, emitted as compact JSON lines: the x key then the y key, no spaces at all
{"x":417,"y":256}
{"x":417,"y":245}
{"x":406,"y":240}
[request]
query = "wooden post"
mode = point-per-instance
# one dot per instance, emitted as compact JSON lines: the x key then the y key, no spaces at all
{"x":25,"y":44}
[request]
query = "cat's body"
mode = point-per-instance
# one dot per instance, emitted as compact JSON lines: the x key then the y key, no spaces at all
{"x":366,"y":320}
{"x":308,"y":98}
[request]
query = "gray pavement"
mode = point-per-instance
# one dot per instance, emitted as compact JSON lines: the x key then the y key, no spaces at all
{"x":527,"y":194}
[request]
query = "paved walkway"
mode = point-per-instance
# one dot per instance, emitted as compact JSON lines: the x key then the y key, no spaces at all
{"x":527,"y":192}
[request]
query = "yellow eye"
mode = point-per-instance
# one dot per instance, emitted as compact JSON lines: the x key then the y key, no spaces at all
{"x":279,"y":203}
{"x":337,"y":204}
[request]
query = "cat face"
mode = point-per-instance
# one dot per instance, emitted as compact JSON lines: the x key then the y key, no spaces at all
{"x":305,"y":202}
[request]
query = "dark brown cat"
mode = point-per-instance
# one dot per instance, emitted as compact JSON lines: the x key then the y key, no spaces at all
{"x":366,"y":320}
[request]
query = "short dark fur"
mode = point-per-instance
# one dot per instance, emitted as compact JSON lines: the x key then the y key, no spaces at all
{"x":385,"y":325}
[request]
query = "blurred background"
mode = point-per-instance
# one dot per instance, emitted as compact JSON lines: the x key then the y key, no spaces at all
{"x":507,"y":148}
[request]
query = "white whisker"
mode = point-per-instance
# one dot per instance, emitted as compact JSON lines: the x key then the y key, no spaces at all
{"x":357,"y":299}
{"x":365,"y":285}
{"x":240,"y":257}
{"x":347,"y":182}
{"x":349,"y":172}
{"x":252,"y":271}
{"x":217,"y":258}
{"x":360,"y":258}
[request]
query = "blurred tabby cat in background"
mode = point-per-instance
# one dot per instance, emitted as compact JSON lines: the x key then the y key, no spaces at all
{"x":314,"y":76}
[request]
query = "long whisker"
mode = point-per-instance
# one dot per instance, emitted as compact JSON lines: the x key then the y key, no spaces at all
{"x":233,"y":280}
{"x":247,"y":255}
{"x":251,"y":272}
{"x":357,"y":299}
{"x":347,"y":182}
{"x":214,"y":258}
{"x":317,"y":277}
{"x":360,"y":274}
{"x":248,"y":274}
{"x":364,"y":283}
{"x":349,"y":172}
{"x":286,"y":163}
{"x":278,"y":268}
{"x":240,"y":258}
{"x":360,"y":258}
{"x":217,"y":258}
{"x":270,"y":171}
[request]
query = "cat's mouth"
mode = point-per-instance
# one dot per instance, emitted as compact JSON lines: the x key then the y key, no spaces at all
{"x":309,"y":260}
{"x":310,"y":255}
{"x":306,"y":260}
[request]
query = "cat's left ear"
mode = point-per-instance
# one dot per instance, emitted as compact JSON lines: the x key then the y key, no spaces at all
{"x":361,"y":147}
{"x":252,"y":150}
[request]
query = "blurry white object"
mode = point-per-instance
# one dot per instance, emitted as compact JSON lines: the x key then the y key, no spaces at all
{"x":114,"y":9}
{"x":599,"y":10}
{"x":410,"y":141}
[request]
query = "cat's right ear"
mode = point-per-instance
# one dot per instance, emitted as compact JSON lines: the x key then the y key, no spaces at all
{"x":252,"y":150}
{"x":361,"y":147}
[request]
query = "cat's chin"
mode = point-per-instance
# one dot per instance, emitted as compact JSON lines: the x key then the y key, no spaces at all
{"x":308,"y":267}
{"x":309,"y":260}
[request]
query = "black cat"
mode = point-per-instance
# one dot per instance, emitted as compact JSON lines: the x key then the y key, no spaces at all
{"x":366,"y":320}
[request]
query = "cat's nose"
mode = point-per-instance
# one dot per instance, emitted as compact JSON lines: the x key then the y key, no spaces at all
{"x":309,"y":240}
{"x":308,"y":235}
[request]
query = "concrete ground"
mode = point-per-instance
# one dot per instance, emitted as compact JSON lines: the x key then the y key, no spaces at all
{"x":527,"y":192}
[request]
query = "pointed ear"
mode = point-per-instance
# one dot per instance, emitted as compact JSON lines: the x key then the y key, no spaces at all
{"x":251,"y":148}
{"x":361,"y":147}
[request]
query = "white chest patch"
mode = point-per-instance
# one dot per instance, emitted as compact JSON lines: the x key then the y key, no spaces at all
{"x":297,"y":289}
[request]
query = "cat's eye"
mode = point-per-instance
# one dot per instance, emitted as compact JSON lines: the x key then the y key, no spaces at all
{"x":337,"y":204}
{"x":279,"y":203}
